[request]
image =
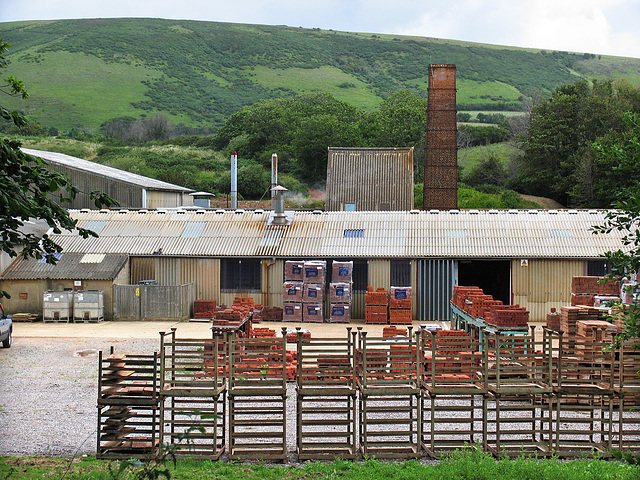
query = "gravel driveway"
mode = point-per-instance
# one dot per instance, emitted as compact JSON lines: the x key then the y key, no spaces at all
{"x":48,"y":393}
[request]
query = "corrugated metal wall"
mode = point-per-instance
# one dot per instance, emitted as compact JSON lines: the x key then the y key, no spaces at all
{"x":373,"y":179}
{"x":163,"y":199}
{"x":272,"y":278}
{"x":129,"y":196}
{"x":539,"y":285}
{"x":380,"y":273}
{"x":434,"y":288}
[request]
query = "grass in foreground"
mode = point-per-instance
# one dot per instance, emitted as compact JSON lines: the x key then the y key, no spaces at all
{"x":460,"y":465}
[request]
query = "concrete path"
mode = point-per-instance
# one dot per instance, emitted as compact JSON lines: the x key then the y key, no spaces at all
{"x":186,"y":329}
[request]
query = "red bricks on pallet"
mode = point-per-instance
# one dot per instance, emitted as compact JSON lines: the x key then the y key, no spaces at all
{"x":312,"y":293}
{"x":293,"y":271}
{"x":376,"y":314}
{"x":292,"y":312}
{"x":378,"y":297}
{"x":314,"y":271}
{"x":594,"y":286}
{"x":400,"y":316}
{"x":340,"y":313}
{"x":342,"y":272}
{"x":312,"y":312}
{"x":204,"y":308}
{"x":292,"y":292}
{"x":340,"y":292}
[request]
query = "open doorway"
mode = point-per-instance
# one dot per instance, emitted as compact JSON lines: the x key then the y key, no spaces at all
{"x":492,"y":276}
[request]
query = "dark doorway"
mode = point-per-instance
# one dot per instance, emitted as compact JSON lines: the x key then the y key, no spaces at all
{"x":492,"y":276}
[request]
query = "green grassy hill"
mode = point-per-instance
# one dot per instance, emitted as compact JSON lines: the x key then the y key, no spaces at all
{"x":81,"y":73}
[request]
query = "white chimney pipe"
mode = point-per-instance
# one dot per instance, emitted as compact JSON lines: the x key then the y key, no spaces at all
{"x":274,"y":172}
{"x":234,"y":180}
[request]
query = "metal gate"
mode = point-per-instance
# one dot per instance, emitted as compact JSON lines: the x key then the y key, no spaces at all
{"x":436,"y":279}
{"x":153,"y":302}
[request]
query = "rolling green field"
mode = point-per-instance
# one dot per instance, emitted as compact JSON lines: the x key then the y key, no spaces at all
{"x":81,"y":73}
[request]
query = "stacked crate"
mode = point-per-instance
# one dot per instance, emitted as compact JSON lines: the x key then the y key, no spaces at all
{"x":314,"y":273}
{"x":400,"y":305}
{"x":340,"y":292}
{"x":293,"y":289}
{"x":376,"y":306}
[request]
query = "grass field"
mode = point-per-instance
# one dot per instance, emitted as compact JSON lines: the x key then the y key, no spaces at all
{"x":460,"y":465}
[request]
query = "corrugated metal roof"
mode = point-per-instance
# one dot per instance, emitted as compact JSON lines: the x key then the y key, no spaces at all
{"x":70,"y":266}
{"x":104,"y":170}
{"x":447,"y":234}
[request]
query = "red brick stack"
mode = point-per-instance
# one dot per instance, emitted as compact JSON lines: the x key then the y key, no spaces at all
{"x":293,"y":289}
{"x":461,"y":294}
{"x":204,"y":308}
{"x":473,"y":301}
{"x":271,"y":314}
{"x":508,"y":316}
{"x":376,"y":304}
{"x":340,"y":292}
{"x":393,"y":331}
{"x":400,"y":303}
{"x":314,"y":273}
{"x":553,"y":320}
{"x":585,"y":289}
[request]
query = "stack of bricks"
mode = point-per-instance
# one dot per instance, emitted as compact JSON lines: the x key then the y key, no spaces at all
{"x":585,"y":289}
{"x":204,"y":308}
{"x":340,"y":292}
{"x":400,"y":305}
{"x":292,"y":335}
{"x":314,"y":273}
{"x":241,"y":309}
{"x":461,"y":295}
{"x":473,"y":301}
{"x":570,"y":315}
{"x":292,"y":291}
{"x":553,"y":320}
{"x":393,"y":331}
{"x":452,"y":341}
{"x":271,"y":314}
{"x":263,"y":332}
{"x":376,"y":304}
{"x":507,"y":316}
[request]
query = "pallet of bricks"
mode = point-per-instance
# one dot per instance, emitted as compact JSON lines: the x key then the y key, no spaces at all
{"x":591,"y":290}
{"x":314,"y":274}
{"x":376,"y":305}
{"x":241,"y":309}
{"x":340,"y":292}
{"x":400,"y":306}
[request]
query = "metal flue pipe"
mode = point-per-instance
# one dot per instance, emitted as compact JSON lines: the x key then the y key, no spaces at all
{"x":234,"y":180}
{"x":274,"y":173}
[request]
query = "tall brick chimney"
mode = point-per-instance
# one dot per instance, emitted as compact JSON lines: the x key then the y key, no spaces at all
{"x":441,"y":157}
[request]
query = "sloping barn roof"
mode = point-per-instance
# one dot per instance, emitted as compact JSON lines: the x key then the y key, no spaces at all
{"x":415,"y":234}
{"x":105,"y":171}
{"x":70,"y":266}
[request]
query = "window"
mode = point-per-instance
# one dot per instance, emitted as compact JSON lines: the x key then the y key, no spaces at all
{"x":240,"y":274}
{"x":400,"y":273}
{"x":349,"y":207}
{"x":597,"y":268}
{"x":353,"y":233}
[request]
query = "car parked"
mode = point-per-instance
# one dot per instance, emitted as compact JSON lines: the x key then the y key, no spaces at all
{"x":6,"y":328}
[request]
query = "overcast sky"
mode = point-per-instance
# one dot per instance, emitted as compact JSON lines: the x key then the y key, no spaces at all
{"x":594,"y":26}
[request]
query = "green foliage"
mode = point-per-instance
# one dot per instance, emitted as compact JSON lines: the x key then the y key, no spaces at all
{"x":625,"y":219}
{"x":484,"y":197}
{"x":473,"y":136}
{"x":490,"y":170}
{"x":26,"y":185}
{"x":558,"y":149}
{"x":200,"y":73}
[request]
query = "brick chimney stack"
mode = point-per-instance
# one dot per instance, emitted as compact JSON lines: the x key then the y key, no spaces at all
{"x":441,"y":157}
